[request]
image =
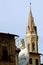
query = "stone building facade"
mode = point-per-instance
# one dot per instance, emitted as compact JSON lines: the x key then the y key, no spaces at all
{"x":8,"y":52}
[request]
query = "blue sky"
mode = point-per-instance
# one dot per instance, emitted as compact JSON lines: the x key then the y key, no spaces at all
{"x":14,"y":18}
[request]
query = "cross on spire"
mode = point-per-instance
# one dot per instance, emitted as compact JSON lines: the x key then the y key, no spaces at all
{"x":30,"y":4}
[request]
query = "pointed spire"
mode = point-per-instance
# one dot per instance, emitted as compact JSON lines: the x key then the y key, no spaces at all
{"x":30,"y":21}
{"x":30,"y":18}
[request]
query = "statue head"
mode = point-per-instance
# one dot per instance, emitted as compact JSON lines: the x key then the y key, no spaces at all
{"x":21,"y":44}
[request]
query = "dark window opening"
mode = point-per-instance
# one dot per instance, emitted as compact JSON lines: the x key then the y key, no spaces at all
{"x":4,"y":53}
{"x":33,"y":47}
{"x":36,"y":61}
{"x":28,"y":27}
{"x":30,"y":60}
{"x":5,"y":56}
{"x":28,"y":46}
{"x":35,"y":28}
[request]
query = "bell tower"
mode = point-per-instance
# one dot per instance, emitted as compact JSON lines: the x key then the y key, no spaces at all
{"x":31,"y":34}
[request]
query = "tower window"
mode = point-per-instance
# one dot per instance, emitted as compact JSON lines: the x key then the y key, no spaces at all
{"x":28,"y":46}
{"x":30,"y":60}
{"x":4,"y":53}
{"x":36,"y":61}
{"x":28,"y":27}
{"x":33,"y":46}
{"x":35,"y":29}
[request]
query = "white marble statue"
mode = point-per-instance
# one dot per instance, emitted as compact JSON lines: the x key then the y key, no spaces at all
{"x":23,"y":54}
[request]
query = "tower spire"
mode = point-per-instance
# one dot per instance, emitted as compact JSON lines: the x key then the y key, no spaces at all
{"x":30,"y":21}
{"x":31,"y":33}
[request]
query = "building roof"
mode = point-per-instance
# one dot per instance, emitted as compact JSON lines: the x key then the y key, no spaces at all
{"x":1,"y":33}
